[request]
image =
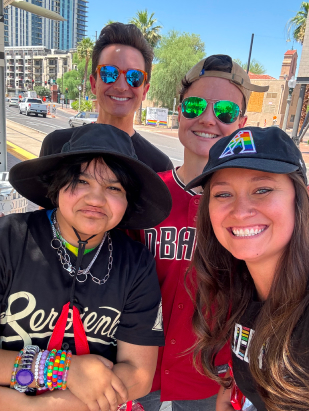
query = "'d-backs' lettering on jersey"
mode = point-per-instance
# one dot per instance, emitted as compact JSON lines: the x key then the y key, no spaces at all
{"x":170,"y":243}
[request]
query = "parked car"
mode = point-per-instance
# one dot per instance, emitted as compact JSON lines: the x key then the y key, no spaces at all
{"x":14,"y":101}
{"x":32,"y":105}
{"x":83,"y":118}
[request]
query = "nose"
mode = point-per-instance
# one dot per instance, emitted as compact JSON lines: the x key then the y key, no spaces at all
{"x":96,"y":197}
{"x":121,"y":83}
{"x":242,"y":208}
{"x":208,"y":118}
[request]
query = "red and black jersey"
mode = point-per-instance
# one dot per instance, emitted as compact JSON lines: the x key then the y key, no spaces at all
{"x":172,"y":243}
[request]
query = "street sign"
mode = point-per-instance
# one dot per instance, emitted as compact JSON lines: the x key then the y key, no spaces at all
{"x":51,"y":81}
{"x":62,"y":96}
{"x":87,"y":98}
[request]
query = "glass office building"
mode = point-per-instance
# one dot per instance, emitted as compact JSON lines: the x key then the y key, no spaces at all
{"x":22,"y":29}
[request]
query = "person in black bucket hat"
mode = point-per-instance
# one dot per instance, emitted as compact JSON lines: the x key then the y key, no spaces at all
{"x":89,"y":288}
{"x":252,"y":264}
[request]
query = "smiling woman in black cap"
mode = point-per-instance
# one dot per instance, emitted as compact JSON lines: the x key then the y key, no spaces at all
{"x":252,"y":264}
{"x":72,"y":283}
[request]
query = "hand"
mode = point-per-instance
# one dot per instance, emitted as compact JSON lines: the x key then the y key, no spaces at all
{"x":92,"y":380}
{"x":1,"y":215}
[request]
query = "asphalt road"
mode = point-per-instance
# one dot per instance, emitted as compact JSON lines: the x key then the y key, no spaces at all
{"x":169,"y":145}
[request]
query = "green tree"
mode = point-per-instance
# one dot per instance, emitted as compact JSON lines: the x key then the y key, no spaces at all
{"x":146,"y":24}
{"x":178,"y":52}
{"x":85,"y":105}
{"x":296,"y":26}
{"x":84,"y":52}
{"x":255,"y":66}
{"x":74,"y":78}
{"x":42,"y":91}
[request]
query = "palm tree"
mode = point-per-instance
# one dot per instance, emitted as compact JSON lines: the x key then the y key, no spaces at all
{"x":297,"y":24}
{"x":84,"y":51}
{"x":146,"y":24}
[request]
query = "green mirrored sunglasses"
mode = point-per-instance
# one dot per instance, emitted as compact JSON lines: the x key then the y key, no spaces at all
{"x":225,"y":111}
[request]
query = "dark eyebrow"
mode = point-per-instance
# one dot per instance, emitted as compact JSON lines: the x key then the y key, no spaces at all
{"x":91,"y":177}
{"x":254,"y":179}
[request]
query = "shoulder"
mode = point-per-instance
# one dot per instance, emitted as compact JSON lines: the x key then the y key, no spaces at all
{"x":20,"y":222}
{"x":150,"y":155}
{"x":53,"y":142}
{"x":134,"y":252}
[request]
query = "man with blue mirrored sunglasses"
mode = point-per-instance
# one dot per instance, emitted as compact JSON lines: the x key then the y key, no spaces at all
{"x":121,"y":71}
{"x":213,"y":101}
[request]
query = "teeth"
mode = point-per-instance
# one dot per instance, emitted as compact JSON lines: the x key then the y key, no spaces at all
{"x":246,"y":232}
{"x":206,"y":135}
{"x":119,"y":98}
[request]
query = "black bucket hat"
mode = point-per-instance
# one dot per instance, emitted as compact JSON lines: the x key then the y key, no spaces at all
{"x":265,"y":149}
{"x":155,"y":199}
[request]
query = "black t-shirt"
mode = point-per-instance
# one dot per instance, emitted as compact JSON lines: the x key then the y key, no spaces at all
{"x":243,"y":333}
{"x":145,"y":151}
{"x":127,"y":307}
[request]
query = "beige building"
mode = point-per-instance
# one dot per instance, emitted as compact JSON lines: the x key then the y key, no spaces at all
{"x":266,"y":108}
{"x":26,"y":67}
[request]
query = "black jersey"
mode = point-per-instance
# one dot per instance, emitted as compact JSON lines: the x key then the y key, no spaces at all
{"x":243,"y":333}
{"x":145,"y":151}
{"x":127,"y":307}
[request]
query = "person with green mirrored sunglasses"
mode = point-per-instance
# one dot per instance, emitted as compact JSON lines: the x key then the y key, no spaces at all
{"x":225,"y":111}
{"x":212,"y":106}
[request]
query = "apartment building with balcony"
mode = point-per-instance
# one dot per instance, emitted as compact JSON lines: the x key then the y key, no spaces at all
{"x":27,"y":67}
{"x":24,"y":29}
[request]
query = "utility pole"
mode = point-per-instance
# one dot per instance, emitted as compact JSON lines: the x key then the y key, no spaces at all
{"x":3,"y":157}
{"x":303,"y":79}
{"x":250,"y":51}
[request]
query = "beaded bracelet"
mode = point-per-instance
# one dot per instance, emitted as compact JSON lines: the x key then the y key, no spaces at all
{"x":46,"y":369}
{"x":24,"y":376}
{"x":56,"y":369}
{"x":41,"y":384}
{"x":51,"y":361}
{"x":66,"y":370}
{"x":61,"y":369}
{"x":36,"y":369}
{"x":15,"y":368}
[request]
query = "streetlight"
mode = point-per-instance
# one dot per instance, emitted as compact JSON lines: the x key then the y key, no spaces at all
{"x":291,"y":84}
{"x":79,"y":90}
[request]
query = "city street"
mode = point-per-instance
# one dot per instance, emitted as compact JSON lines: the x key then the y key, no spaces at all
{"x":167,"y":144}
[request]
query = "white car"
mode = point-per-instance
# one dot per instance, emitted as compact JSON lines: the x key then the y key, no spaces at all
{"x":83,"y":118}
{"x":14,"y":101}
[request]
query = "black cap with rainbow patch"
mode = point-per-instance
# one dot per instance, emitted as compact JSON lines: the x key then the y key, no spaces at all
{"x":265,"y":149}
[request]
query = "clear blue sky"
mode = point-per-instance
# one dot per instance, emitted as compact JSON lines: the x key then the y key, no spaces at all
{"x":224,"y":26}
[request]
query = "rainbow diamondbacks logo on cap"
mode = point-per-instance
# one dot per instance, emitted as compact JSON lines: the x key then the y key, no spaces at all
{"x":242,"y":139}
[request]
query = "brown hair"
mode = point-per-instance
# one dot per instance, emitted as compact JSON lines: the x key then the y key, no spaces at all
{"x":225,"y":283}
{"x":217,"y":62}
{"x":126,"y":34}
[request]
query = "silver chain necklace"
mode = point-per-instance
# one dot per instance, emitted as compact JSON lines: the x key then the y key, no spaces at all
{"x":64,"y":258}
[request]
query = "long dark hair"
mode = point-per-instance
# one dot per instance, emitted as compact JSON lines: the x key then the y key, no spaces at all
{"x":225,"y":288}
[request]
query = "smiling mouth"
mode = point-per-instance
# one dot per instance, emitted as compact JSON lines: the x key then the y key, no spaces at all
{"x":247,"y":232}
{"x":119,"y":98}
{"x":205,"y":135}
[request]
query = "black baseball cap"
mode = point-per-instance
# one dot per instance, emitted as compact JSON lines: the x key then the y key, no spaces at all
{"x":154,"y":201}
{"x":265,"y":149}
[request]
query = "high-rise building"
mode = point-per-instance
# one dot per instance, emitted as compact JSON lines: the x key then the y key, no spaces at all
{"x":22,"y":29}
{"x":73,"y":30}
